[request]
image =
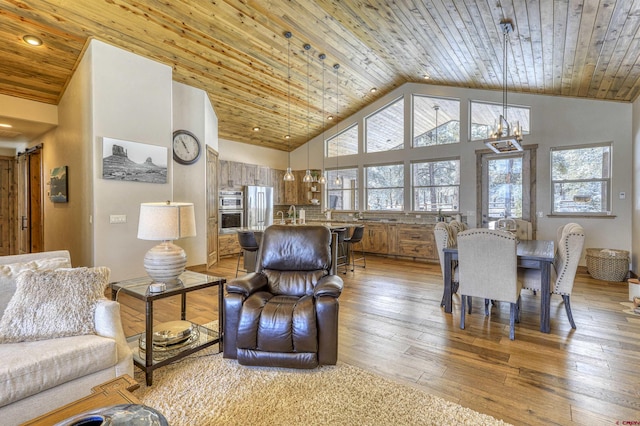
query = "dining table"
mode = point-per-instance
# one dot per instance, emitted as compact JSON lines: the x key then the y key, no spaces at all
{"x":532,"y":254}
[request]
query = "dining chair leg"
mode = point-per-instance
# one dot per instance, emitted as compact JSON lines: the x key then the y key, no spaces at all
{"x":469,"y":302}
{"x":462,"y":312}
{"x":519,"y":305}
{"x":486,"y":307}
{"x":512,"y":321}
{"x":567,"y":307}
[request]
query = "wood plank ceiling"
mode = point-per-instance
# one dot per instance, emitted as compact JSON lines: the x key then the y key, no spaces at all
{"x":235,"y":51}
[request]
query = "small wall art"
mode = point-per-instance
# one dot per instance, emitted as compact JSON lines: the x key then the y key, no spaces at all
{"x":133,"y":161}
{"x":58,"y":185}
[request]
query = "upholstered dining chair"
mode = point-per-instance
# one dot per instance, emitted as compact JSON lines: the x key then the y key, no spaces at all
{"x":445,"y":237}
{"x":524,"y":229}
{"x":456,"y":226}
{"x":285,"y":314}
{"x":488,"y":268}
{"x":563,"y":272}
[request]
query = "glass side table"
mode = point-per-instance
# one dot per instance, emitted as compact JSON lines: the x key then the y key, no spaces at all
{"x":149,"y":356}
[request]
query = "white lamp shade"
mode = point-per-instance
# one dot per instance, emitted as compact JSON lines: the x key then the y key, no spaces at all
{"x":166,"y":221}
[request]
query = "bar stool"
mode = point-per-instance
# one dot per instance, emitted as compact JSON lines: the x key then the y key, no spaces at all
{"x":342,"y":259}
{"x":248,"y":243}
{"x":356,"y":238}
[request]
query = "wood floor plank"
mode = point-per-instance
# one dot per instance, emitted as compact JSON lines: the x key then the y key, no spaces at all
{"x":391,"y":323}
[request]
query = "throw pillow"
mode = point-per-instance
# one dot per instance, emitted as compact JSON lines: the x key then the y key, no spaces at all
{"x":9,"y":273}
{"x":50,"y":304}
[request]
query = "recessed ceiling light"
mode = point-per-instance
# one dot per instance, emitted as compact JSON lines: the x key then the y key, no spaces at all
{"x":426,"y":77}
{"x":256,"y":129}
{"x":287,"y":137}
{"x":8,"y":126}
{"x":330,"y":117}
{"x":373,"y":90}
{"x":32,"y":40}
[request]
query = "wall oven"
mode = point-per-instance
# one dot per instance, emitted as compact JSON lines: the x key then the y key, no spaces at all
{"x":231,"y":200}
{"x":230,"y":210}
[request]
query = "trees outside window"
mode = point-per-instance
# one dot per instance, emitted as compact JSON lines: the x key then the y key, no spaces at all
{"x":342,"y":195}
{"x":385,"y":187}
{"x":436,"y":185}
{"x":581,"y":179}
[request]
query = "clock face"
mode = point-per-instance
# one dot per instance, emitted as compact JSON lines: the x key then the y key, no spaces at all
{"x":186,"y":147}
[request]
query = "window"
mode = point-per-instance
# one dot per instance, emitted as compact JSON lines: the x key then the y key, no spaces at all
{"x":385,"y":187}
{"x":342,"y":195}
{"x":385,"y":128}
{"x":484,"y":117}
{"x":436,"y":185}
{"x":344,"y":143}
{"x":436,"y":121}
{"x":581,"y":179}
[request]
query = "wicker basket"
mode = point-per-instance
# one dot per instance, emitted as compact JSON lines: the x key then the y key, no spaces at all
{"x":608,"y":264}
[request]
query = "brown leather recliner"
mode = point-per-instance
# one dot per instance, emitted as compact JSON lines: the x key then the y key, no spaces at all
{"x":286,"y":313}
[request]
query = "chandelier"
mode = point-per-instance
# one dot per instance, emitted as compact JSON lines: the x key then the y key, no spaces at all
{"x":505,"y":137}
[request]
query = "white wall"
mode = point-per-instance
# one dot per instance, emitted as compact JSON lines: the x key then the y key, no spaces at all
{"x":192,"y":111}
{"x":252,"y":154}
{"x":555,"y":121}
{"x":67,"y":225}
{"x":132,"y":101}
{"x":635,"y":230}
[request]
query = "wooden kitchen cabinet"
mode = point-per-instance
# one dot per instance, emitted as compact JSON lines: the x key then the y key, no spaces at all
{"x":416,"y":241}
{"x":376,"y":238}
{"x":277,"y":182}
{"x":228,"y":244}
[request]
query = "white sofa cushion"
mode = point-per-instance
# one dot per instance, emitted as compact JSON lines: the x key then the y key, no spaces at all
{"x":49,"y":304}
{"x":9,"y":274}
{"x":31,"y":367}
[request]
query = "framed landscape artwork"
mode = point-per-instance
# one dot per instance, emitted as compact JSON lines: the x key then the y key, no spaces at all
{"x":133,"y":161}
{"x":58,"y":185}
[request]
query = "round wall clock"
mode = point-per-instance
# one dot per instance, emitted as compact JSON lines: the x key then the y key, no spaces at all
{"x":186,"y":147}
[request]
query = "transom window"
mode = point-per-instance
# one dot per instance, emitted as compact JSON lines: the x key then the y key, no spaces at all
{"x":581,"y":179}
{"x":484,"y":118}
{"x":342,"y":189}
{"x":436,"y":185}
{"x":344,"y":143}
{"x":436,"y":121}
{"x":385,"y":187}
{"x":385,"y":128}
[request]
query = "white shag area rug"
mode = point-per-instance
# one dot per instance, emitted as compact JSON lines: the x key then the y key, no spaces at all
{"x":206,"y":389}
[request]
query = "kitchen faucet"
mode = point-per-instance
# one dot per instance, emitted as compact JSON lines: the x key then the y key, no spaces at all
{"x":281,"y":213}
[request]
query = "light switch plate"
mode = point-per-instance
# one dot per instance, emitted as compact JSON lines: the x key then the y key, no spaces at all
{"x":118,"y":218}
{"x":623,"y":195}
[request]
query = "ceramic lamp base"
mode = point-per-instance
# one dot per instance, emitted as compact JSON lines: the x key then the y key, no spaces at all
{"x":165,"y":262}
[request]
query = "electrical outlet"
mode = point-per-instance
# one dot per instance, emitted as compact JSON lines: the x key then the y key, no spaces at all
{"x":418,"y":216}
{"x":540,"y":214}
{"x":118,"y":218}
{"x":623,"y":195}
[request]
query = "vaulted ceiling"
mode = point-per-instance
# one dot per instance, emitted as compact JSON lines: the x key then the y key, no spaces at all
{"x":236,"y":51}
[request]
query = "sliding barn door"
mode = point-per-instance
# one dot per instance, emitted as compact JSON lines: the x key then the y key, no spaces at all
{"x":30,"y":229}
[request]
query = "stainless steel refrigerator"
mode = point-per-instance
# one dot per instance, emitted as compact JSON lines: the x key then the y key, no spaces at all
{"x":258,"y":206}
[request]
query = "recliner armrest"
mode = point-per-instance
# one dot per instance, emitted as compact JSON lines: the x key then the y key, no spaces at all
{"x":248,"y":284}
{"x":329,"y":285}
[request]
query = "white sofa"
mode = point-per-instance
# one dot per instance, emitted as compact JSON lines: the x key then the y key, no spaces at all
{"x":39,"y":376}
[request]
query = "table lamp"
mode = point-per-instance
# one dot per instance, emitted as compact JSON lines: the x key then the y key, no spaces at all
{"x":166,"y":222}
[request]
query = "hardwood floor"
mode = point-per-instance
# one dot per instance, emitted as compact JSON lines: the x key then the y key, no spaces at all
{"x":391,"y":323}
